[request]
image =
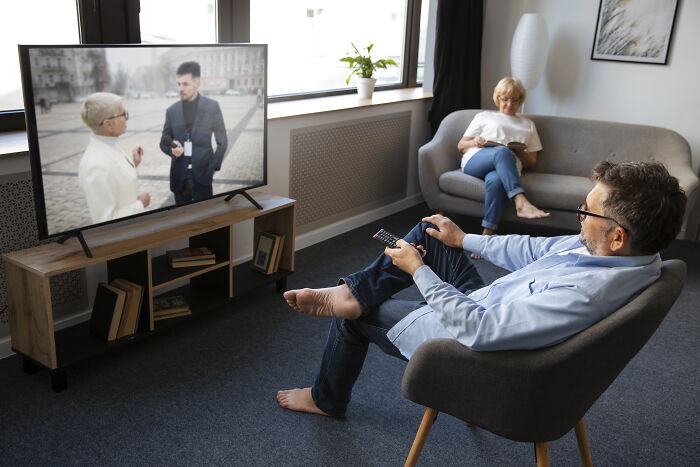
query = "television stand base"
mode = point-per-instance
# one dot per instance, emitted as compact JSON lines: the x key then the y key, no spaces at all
{"x":248,"y":197}
{"x":81,"y":239}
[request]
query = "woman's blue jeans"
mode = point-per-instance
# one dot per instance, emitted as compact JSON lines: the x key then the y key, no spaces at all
{"x":495,"y":166}
{"x":373,"y":287}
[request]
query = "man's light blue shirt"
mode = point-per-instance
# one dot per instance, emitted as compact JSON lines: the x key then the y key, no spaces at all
{"x":556,"y":290}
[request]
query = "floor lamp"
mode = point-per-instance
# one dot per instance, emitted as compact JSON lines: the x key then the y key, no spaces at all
{"x":528,"y":51}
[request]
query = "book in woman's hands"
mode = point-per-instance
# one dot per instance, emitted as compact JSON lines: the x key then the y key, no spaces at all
{"x":514,"y":145}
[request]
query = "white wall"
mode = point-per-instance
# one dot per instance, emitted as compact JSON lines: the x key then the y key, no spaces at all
{"x":573,"y":85}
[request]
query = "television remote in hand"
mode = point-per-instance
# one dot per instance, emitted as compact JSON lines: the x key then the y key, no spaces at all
{"x":386,"y":238}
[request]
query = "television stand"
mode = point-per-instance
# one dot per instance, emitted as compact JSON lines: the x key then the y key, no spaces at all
{"x":81,"y":239}
{"x":248,"y":197}
{"x":128,"y":251}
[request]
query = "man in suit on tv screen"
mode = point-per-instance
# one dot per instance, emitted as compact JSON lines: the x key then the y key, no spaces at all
{"x":187,"y":138}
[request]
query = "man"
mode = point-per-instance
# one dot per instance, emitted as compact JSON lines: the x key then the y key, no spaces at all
{"x":559,"y":286}
{"x":106,"y":175}
{"x":186,"y":138}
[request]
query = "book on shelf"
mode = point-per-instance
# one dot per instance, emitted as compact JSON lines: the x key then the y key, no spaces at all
{"x":267,"y":252}
{"x":278,"y":256}
{"x":169,"y":306}
{"x":132,"y":306}
{"x":190,"y":256}
{"x":516,"y":145}
{"x":172,"y":315}
{"x":189,"y":264}
{"x":107,"y":311}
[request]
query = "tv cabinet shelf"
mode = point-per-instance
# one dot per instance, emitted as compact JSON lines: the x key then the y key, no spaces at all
{"x":127,"y":250}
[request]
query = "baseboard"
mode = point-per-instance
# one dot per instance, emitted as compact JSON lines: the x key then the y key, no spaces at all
{"x":301,"y":241}
{"x":336,"y":228}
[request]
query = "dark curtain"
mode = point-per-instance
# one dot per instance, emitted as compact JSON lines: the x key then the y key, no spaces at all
{"x":457,"y":82}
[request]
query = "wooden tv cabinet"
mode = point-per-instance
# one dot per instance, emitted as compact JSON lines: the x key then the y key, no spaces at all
{"x":127,"y":250}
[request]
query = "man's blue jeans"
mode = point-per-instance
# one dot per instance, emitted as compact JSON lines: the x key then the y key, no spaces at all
{"x":373,"y":287}
{"x":495,"y":166}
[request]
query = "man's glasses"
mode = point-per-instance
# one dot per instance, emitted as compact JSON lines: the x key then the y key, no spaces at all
{"x":514,"y":100}
{"x":582,"y":213}
{"x":125,"y":115}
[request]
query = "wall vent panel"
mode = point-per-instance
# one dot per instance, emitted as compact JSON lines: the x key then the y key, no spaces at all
{"x":336,"y":170}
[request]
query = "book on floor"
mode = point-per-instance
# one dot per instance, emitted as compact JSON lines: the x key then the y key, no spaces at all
{"x":516,"y":145}
{"x":189,"y":254}
{"x":132,"y":306}
{"x":170,"y":304}
{"x":107,"y":311}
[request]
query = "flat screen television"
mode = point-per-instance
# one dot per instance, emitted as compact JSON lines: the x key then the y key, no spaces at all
{"x":85,"y":176}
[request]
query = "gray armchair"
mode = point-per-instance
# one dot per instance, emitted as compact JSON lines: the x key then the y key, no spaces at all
{"x":536,"y":395}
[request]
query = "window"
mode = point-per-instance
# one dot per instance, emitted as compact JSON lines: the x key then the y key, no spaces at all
{"x":34,"y":22}
{"x":422,"y":39}
{"x":307,"y":39}
{"x":178,"y":21}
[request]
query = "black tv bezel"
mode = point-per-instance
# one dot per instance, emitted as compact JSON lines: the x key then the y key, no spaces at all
{"x":33,"y":137}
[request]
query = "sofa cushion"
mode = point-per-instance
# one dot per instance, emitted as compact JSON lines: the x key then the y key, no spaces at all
{"x":546,"y":191}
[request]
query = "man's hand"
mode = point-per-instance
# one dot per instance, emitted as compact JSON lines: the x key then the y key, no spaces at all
{"x":449,"y":233}
{"x":405,"y":257}
{"x":145,"y":199}
{"x":137,"y":155}
{"x":178,"y":150}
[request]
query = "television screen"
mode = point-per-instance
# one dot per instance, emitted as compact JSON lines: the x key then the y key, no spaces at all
{"x":117,"y":131}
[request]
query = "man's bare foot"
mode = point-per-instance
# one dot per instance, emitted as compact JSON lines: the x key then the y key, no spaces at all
{"x":524,"y":208}
{"x":299,"y":400}
{"x":332,"y":302}
{"x":483,"y":232}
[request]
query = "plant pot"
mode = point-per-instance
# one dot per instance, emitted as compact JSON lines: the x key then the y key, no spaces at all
{"x":365,"y":87}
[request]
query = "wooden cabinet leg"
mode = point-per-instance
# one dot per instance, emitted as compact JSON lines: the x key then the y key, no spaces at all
{"x":59,"y":382}
{"x":281,"y":285}
{"x":29,"y":366}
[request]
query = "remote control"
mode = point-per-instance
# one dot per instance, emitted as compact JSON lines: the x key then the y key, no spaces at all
{"x":386,"y":238}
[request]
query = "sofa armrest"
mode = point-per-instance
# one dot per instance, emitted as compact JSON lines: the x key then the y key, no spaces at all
{"x":441,"y":155}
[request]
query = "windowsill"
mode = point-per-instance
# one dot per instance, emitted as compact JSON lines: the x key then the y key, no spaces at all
{"x":14,"y":143}
{"x":296,"y":108}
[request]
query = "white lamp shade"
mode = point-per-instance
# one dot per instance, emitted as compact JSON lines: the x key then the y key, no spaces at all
{"x":528,"y":51}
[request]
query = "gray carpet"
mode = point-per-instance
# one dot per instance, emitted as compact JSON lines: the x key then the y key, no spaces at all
{"x":204,"y":393}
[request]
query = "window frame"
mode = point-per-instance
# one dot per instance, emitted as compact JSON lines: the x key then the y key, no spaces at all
{"x":117,"y":22}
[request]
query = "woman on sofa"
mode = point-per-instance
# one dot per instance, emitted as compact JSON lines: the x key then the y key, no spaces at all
{"x":499,"y":166}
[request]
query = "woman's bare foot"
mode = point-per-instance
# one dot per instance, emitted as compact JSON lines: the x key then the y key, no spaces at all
{"x":483,"y":232}
{"x":299,"y":400}
{"x":332,"y":302}
{"x":524,"y":208}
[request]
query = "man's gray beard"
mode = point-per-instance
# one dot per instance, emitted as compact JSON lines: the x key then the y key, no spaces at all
{"x":589,"y":246}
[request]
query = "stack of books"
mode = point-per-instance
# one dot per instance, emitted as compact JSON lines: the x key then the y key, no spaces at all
{"x":268,"y":252}
{"x":116,"y":310}
{"x":165,"y":307}
{"x":191,"y":256}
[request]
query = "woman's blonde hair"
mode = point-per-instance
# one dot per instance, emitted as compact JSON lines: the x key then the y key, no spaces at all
{"x":97,"y":107}
{"x":510,"y":86}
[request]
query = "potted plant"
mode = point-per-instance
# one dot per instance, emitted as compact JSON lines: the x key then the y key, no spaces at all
{"x":364,"y":67}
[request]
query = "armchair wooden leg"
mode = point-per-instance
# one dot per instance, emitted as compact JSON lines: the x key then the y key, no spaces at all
{"x":583,"y":448}
{"x":542,"y":454}
{"x":428,"y":419}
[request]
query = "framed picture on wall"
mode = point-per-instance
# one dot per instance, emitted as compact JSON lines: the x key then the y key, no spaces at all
{"x":634,"y":30}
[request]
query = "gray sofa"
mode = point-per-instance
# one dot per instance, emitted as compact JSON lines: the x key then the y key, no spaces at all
{"x":559,"y":181}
